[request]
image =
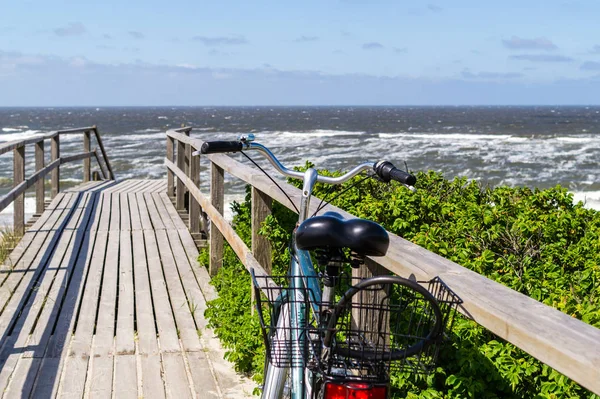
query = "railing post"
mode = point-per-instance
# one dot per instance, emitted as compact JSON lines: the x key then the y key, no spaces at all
{"x":55,"y":174}
{"x":261,"y":247}
{"x":217,"y":181}
{"x":188,"y":158}
{"x":19,"y":202}
{"x":87,"y":161}
{"x":40,"y":192}
{"x":170,"y":185}
{"x":369,"y":322}
{"x":180,"y":187}
{"x":194,"y":206}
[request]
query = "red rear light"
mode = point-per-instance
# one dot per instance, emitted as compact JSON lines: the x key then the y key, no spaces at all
{"x":354,"y":390}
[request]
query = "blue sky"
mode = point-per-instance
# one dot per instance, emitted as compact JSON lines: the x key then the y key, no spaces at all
{"x":353,"y":52}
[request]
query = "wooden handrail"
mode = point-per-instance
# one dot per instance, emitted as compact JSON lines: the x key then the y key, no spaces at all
{"x":21,"y":183}
{"x":566,"y":344}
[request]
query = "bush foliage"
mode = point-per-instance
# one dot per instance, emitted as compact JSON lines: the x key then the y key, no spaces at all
{"x":537,"y":242}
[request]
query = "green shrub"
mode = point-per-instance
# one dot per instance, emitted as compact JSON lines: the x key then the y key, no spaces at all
{"x":537,"y":242}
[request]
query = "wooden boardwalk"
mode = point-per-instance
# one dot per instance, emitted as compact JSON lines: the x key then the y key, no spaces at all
{"x":104,"y":297}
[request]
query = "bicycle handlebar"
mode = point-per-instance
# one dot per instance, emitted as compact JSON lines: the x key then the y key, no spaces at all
{"x":384,"y":169}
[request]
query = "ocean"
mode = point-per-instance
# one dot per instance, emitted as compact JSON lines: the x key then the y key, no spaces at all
{"x":517,"y":146}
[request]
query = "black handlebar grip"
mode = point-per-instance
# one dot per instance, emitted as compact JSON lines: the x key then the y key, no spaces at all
{"x":214,"y":147}
{"x":387,"y":171}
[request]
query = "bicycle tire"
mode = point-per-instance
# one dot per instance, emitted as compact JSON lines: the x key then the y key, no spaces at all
{"x":391,"y":355}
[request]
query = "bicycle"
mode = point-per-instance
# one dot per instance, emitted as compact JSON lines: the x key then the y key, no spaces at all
{"x":329,"y":335}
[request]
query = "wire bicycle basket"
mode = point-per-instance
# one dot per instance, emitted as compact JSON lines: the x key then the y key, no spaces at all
{"x":378,"y":325}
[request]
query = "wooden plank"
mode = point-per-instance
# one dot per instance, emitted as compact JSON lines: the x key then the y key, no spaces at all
{"x":125,"y":332}
{"x":64,"y":270}
{"x":50,"y":372}
{"x":104,"y":215}
{"x":134,"y":212}
{"x":99,"y":381}
{"x":204,"y":383}
{"x":152,"y":377}
{"x":126,"y":377}
{"x":147,"y":344}
{"x":39,"y":300}
{"x":58,"y":342}
{"x":104,"y":337}
{"x":22,"y":383}
{"x":115,"y":212}
{"x":202,"y":276}
{"x":217,"y":201}
{"x":40,"y":200}
{"x":167,"y":330}
{"x":80,"y":349}
{"x":172,"y":212}
{"x":18,"y":281}
{"x":22,"y":308}
{"x":19,"y":202}
{"x":162,"y":211}
{"x":217,"y":220}
{"x":157,"y":222}
{"x":32,"y":236}
{"x":181,"y":305}
{"x":144,"y":215}
{"x":177,"y":384}
{"x":125,"y":212}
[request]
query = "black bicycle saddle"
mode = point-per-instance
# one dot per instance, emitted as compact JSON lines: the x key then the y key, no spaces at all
{"x":331,"y":230}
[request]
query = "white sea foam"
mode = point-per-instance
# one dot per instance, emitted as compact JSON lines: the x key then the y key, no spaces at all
{"x":10,"y":129}
{"x":134,"y":137}
{"x":19,"y":136}
{"x":148,"y":130}
{"x":591,"y":199}
{"x":318,"y":133}
{"x":163,"y":117}
{"x":448,"y":136}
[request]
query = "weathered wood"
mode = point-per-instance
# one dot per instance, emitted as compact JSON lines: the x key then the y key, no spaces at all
{"x":167,"y":332}
{"x":44,"y":275}
{"x":125,"y":378}
{"x":26,"y":184}
{"x":19,"y":203}
{"x":261,"y":208}
{"x":77,"y":157}
{"x":217,"y":220}
{"x":86,"y":161}
{"x":101,"y":166}
{"x":111,"y":175}
{"x":217,"y":193}
{"x":194,"y":207}
{"x":55,"y":177}
{"x":40,"y":192}
{"x":180,"y":187}
{"x":261,"y":247}
{"x":11,"y":145}
{"x":170,"y":185}
{"x":182,"y":306}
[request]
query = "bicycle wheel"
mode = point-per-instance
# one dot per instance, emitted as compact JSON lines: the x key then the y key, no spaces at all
{"x":382,"y":320}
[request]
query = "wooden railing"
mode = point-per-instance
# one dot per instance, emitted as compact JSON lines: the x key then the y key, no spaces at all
{"x":562,"y":342}
{"x":22,"y":184}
